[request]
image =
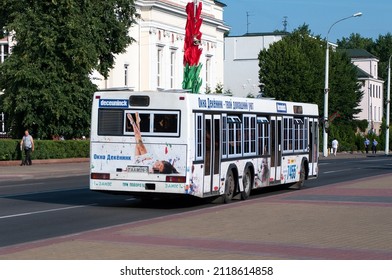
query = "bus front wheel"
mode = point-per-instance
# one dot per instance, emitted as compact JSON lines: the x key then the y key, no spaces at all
{"x":229,"y":187}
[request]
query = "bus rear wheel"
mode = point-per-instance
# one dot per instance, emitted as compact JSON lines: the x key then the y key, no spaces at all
{"x":247,"y":183}
{"x":229,"y":187}
{"x":302,"y":176}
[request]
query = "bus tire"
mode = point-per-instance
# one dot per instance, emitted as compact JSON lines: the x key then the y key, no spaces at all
{"x":230,"y":187}
{"x":247,"y":183}
{"x":302,"y":176}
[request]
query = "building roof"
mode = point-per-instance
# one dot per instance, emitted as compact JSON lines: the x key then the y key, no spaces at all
{"x":220,"y":3}
{"x":362,"y":74}
{"x":260,"y":34}
{"x":358,"y":53}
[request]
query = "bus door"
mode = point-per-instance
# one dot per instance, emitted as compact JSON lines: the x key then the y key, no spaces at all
{"x":212,"y":140}
{"x":276,"y":149}
{"x":313,"y":147}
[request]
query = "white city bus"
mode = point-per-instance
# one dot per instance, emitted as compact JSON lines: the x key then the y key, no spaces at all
{"x":154,"y":143}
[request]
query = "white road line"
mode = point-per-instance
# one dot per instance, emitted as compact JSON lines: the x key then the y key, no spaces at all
{"x":20,"y":185}
{"x":39,"y":192}
{"x":45,"y":211}
{"x":336,"y":171}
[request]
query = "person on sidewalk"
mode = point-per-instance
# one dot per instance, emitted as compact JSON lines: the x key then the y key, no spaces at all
{"x":367,"y":144}
{"x":27,"y":144}
{"x":335,"y":145}
{"x":374,"y":146}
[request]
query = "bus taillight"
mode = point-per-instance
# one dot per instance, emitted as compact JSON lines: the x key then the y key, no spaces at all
{"x":100,"y":176}
{"x":175,"y":179}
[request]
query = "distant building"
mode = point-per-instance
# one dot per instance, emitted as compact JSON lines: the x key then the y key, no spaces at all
{"x":372,"y":87}
{"x":155,"y":60}
{"x":242,"y":63}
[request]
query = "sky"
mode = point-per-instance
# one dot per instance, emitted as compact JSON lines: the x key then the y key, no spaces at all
{"x":255,"y":16}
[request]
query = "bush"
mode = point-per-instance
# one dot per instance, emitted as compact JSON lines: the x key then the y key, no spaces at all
{"x":46,"y":149}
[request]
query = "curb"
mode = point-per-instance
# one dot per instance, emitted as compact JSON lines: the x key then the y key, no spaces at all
{"x":45,"y":161}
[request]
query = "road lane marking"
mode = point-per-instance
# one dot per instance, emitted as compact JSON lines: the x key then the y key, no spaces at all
{"x":341,"y":170}
{"x":40,"y":192}
{"x":21,"y":185}
{"x":46,"y":211}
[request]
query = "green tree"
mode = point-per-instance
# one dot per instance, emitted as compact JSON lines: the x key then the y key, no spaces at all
{"x":58,"y":44}
{"x":382,"y":49}
{"x":293,"y":69}
{"x":356,"y":41}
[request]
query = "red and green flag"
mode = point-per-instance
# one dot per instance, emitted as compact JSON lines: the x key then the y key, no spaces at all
{"x":192,"y":49}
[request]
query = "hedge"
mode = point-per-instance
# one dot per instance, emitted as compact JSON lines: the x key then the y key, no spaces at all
{"x":46,"y":149}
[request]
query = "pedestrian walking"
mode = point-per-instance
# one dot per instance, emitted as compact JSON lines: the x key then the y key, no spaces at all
{"x":27,"y":144}
{"x":374,"y":146}
{"x":335,"y":145}
{"x":367,"y":144}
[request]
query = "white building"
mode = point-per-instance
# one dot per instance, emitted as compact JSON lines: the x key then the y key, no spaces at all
{"x":372,"y":87}
{"x":155,"y":60}
{"x":5,"y":48}
{"x":242,"y":62}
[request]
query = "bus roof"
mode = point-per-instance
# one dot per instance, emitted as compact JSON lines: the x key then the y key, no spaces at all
{"x":203,"y":102}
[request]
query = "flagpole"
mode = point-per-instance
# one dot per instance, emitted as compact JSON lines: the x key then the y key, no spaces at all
{"x":195,"y":2}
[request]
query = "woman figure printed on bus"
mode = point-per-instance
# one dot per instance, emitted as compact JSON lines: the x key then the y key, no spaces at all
{"x":263,"y":174}
{"x":142,"y":156}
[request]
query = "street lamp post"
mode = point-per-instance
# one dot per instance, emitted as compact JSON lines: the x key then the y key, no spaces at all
{"x":326,"y":89}
{"x":388,"y":107}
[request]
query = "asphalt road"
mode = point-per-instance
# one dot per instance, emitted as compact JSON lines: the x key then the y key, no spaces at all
{"x":38,"y":209}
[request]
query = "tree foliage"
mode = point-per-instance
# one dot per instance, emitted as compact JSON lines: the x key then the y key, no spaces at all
{"x":293,"y":69}
{"x":58,"y":44}
{"x":356,"y":41}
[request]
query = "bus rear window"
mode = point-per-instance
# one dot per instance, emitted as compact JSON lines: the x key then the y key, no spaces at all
{"x":165,"y":123}
{"x":139,"y":101}
{"x":110,"y":122}
{"x":154,"y":123}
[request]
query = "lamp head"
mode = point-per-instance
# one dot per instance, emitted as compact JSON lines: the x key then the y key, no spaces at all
{"x":357,"y":14}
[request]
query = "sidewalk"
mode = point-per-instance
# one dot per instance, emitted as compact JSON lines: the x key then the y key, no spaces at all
{"x":345,"y":221}
{"x":50,"y":168}
{"x":342,"y":155}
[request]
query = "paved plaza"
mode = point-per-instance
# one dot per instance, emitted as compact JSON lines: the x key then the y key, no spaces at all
{"x":350,"y":220}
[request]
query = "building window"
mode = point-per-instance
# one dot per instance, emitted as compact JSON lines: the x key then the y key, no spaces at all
{"x":4,"y":51}
{"x":126,"y":74}
{"x":172,"y":69}
{"x":379,"y":113}
{"x":208,"y":72}
{"x":159,"y":67}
